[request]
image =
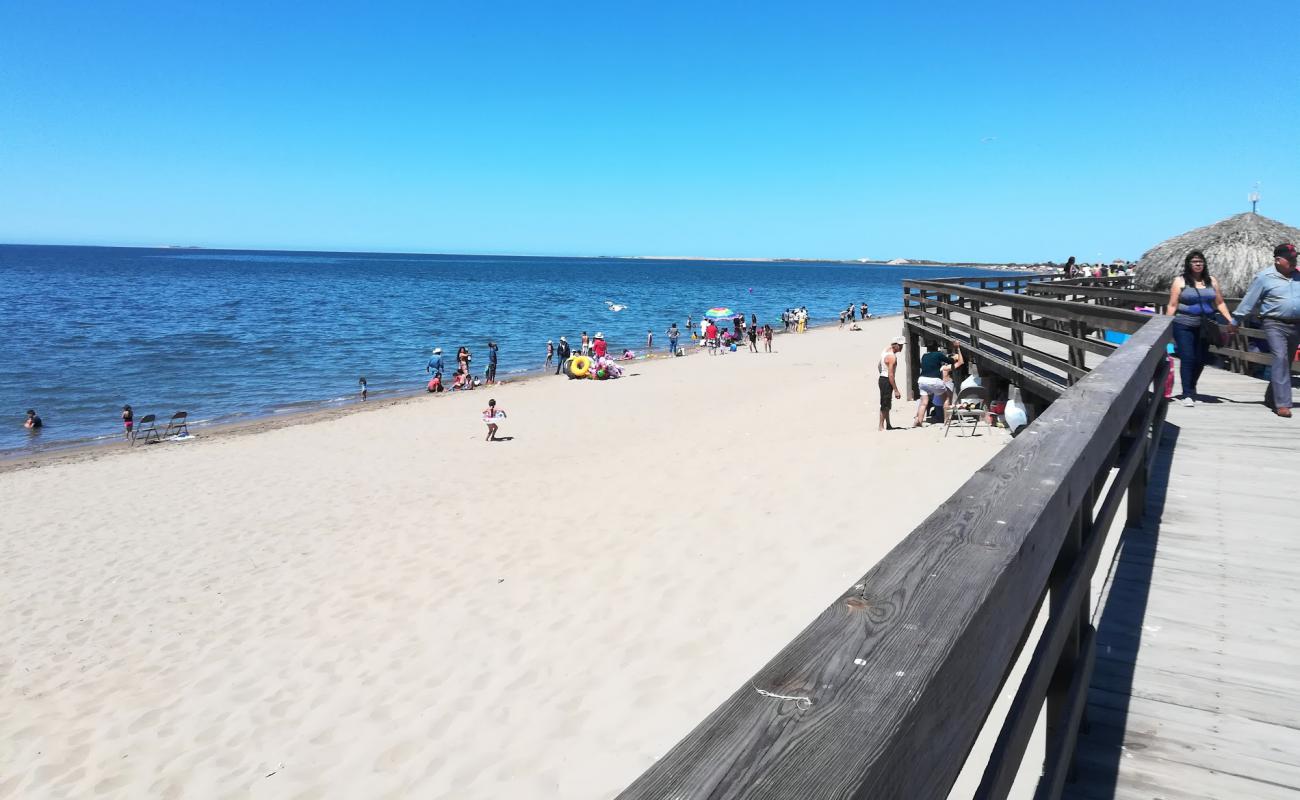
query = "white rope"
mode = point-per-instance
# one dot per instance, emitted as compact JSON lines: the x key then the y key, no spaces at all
{"x":804,"y":702}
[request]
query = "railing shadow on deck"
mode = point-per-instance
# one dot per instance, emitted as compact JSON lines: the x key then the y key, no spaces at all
{"x":1119,"y":632}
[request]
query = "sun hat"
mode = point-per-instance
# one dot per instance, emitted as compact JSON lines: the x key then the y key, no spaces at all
{"x":600,"y":335}
{"x":437,"y":350}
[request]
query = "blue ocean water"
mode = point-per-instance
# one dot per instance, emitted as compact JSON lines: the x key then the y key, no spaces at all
{"x":227,"y":334}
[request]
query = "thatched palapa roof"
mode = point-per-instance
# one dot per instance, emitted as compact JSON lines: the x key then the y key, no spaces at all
{"x":1236,"y":249}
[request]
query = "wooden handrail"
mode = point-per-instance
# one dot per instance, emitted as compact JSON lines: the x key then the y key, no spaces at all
{"x":884,"y":693}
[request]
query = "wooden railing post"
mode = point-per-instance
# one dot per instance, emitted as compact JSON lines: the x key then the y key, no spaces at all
{"x":1137,"y":490}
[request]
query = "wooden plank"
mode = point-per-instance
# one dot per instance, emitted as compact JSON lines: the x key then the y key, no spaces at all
{"x":1028,"y":377}
{"x":1093,"y":345}
{"x":1006,"y":344}
{"x":895,"y":679}
{"x":1097,"y":316}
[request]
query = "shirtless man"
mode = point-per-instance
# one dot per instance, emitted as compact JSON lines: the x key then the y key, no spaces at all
{"x":888,"y":383}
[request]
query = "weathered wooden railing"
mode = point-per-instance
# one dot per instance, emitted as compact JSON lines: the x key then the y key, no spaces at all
{"x":1236,"y":349}
{"x":884,"y":693}
{"x":992,"y":327}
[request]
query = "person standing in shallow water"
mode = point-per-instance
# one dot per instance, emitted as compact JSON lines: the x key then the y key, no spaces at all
{"x":1194,"y":297}
{"x":673,"y":333}
{"x":562,"y":354}
{"x":492,"y":362}
{"x":550,"y":353}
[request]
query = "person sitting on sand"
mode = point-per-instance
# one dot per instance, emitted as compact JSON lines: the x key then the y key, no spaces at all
{"x":32,"y":422}
{"x":492,"y":415}
{"x":460,"y":381}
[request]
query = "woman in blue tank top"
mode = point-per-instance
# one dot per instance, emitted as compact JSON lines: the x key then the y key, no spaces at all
{"x":1193,"y":300}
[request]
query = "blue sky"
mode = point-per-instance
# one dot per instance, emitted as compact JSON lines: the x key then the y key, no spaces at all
{"x":839,"y":130}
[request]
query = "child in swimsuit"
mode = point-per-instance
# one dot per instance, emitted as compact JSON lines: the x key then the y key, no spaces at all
{"x":128,"y":420}
{"x":491,"y":415}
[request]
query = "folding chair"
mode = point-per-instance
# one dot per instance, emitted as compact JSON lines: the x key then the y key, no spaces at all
{"x":145,"y":427}
{"x":971,"y":404}
{"x":176,"y":426}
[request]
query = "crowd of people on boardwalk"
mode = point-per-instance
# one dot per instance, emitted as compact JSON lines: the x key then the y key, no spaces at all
{"x":1072,"y":269}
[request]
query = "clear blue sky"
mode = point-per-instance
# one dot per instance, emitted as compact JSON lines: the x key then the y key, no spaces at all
{"x":988,"y":131}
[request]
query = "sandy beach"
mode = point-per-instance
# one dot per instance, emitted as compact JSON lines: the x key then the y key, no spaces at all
{"x":380,"y":604}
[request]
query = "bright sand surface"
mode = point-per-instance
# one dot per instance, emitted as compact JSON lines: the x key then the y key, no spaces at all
{"x":381,"y":604}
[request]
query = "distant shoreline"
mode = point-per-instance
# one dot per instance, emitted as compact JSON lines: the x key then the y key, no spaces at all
{"x":895,"y":262}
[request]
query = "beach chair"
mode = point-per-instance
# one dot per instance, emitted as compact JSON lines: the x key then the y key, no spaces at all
{"x":146,"y":427}
{"x":971,"y":404}
{"x":176,"y":426}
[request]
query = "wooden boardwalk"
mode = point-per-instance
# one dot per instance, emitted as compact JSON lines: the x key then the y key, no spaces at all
{"x":1196,"y":688}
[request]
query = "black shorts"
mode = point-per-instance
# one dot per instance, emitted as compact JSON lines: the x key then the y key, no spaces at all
{"x":886,"y":393}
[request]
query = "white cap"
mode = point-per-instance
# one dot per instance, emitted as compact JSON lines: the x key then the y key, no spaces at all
{"x":900,"y":341}
{"x":437,"y":350}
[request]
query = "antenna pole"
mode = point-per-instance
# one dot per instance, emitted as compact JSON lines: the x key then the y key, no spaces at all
{"x":1253,"y":197}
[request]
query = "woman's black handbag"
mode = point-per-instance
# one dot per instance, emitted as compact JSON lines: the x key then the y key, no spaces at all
{"x":1208,"y":333}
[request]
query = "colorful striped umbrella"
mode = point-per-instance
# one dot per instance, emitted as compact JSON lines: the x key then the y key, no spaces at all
{"x":719,"y":313}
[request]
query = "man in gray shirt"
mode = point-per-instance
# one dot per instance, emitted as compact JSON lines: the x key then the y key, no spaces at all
{"x":1275,"y":296}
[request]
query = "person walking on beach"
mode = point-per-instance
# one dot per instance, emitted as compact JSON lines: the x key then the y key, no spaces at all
{"x":364,"y":389}
{"x":930,"y":381}
{"x":753,"y":338}
{"x":1194,"y":298}
{"x":435,"y":363}
{"x":672,"y":338}
{"x":33,"y":422}
{"x":492,"y":416}
{"x":128,"y":420}
{"x":492,"y":362}
{"x":550,"y":354}
{"x":887,"y":381}
{"x":563,"y":355}
{"x":711,"y":338}
{"x":1275,"y":296}
{"x":767,"y":338}
{"x":649,"y":341}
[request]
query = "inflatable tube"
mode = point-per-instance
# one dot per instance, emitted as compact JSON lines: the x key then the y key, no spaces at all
{"x":579,"y":367}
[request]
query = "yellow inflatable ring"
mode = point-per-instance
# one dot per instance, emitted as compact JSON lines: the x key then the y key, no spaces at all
{"x":580,"y":366}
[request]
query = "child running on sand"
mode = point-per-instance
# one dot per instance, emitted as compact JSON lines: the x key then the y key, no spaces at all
{"x":491,"y":415}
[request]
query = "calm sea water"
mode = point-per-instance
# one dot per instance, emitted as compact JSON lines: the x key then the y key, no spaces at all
{"x":228,"y":334}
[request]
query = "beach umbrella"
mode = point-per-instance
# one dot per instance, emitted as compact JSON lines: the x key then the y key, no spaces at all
{"x":1236,"y":249}
{"x":720,"y":312}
